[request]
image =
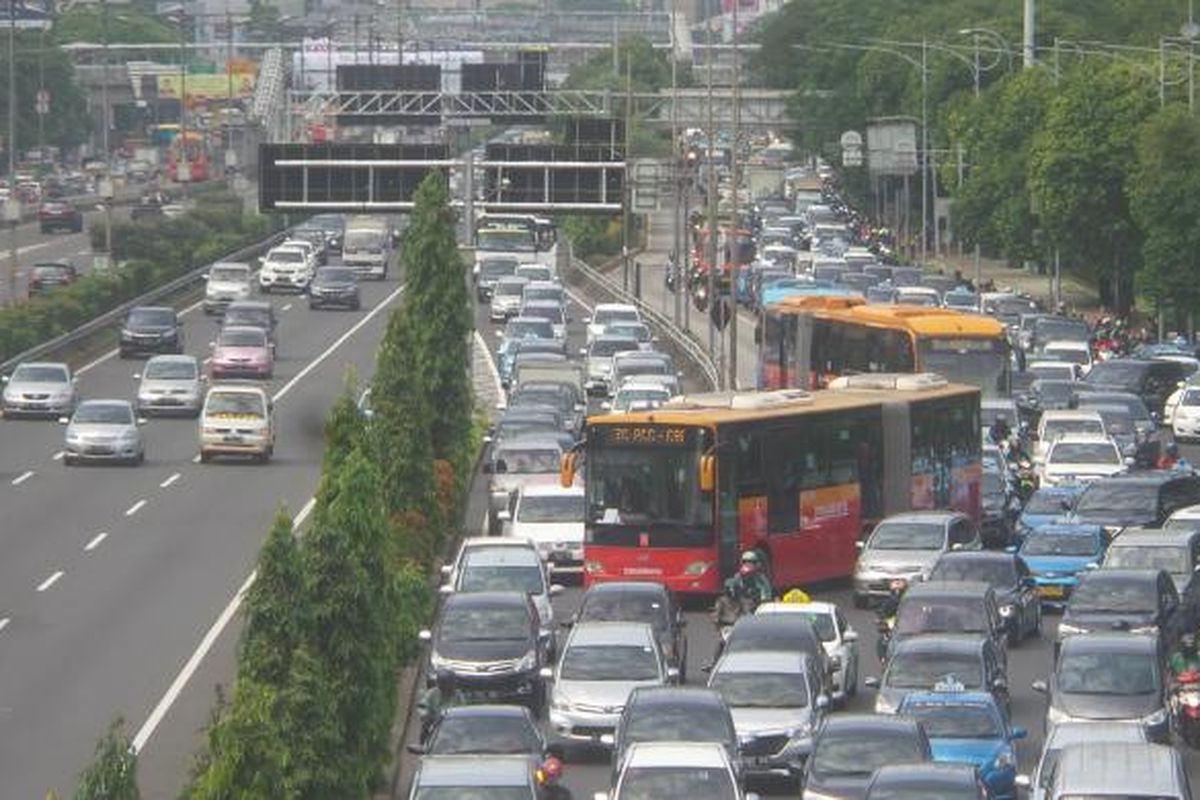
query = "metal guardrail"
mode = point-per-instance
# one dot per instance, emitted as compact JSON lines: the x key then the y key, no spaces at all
{"x":114,"y":316}
{"x":684,"y":340}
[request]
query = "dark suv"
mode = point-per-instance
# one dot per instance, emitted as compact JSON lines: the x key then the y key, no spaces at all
{"x":1152,"y":380}
{"x":1141,"y":499}
{"x":151,"y":329}
{"x":674,"y":714}
{"x":486,"y":645}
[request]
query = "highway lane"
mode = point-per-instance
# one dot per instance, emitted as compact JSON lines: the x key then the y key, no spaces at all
{"x":110,"y":633}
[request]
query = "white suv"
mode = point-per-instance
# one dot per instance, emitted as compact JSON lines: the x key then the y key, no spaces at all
{"x":227,"y":282}
{"x":237,"y":419}
{"x":285,"y":268}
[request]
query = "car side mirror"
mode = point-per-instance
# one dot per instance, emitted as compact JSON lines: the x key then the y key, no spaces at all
{"x":487,"y":465}
{"x":1130,"y":461}
{"x":1040,"y":687}
{"x":850,"y":636}
{"x":871,"y":682}
{"x":137,"y":376}
{"x":547,"y":673}
{"x":3,"y":379}
{"x":1023,"y":782}
{"x":606,"y":406}
{"x":1018,"y":733}
{"x":822,"y":703}
{"x":425,"y":636}
{"x":445,"y":590}
{"x":608,"y":739}
{"x":63,"y":420}
{"x":416,"y":749}
{"x":555,"y":589}
{"x":447,"y":569}
{"x":860,"y":545}
{"x":504,"y":515}
{"x":141,"y":420}
{"x":1000,"y":684}
{"x":672,"y":675}
{"x":587,"y":320}
{"x":212,"y":344}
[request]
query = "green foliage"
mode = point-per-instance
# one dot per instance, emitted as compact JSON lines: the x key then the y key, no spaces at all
{"x":112,"y":775}
{"x":68,"y":122}
{"x":1077,"y":175}
{"x":345,"y":428}
{"x":649,"y":69}
{"x":125,"y":26}
{"x":159,"y":251}
{"x":277,"y":608}
{"x":595,"y":238}
{"x":1164,"y":197}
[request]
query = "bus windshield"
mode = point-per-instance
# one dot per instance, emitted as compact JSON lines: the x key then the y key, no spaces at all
{"x":645,"y":475}
{"x":978,"y":362}
{"x":512,"y":240}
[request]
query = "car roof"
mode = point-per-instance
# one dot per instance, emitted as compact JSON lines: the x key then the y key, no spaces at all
{"x":626,"y":587}
{"x":163,"y":309}
{"x":237,"y":388}
{"x":255,"y":305}
{"x":951,"y":699}
{"x":610,"y":634}
{"x":1154,"y":537}
{"x":551,"y":490}
{"x":811,"y":607}
{"x":243,"y":329}
{"x":850,"y":722}
{"x":106,"y":401}
{"x":676,"y":696}
{"x":947,"y":588}
{"x":766,"y":661}
{"x":478,"y":770}
{"x":704,"y":755}
{"x":615,"y":307}
{"x":488,"y":600}
{"x":168,"y":357}
{"x":922,"y":516}
{"x":1094,"y":731}
{"x":1109,"y":641}
{"x":1187,"y":512}
{"x":1143,"y":478}
{"x":1081,"y":438}
{"x":956,"y":643}
{"x":1115,"y":768}
{"x":516,"y":552}
{"x":1120,"y":574}
{"x":531,"y":441}
{"x":1068,"y":413}
{"x":1065,"y":528}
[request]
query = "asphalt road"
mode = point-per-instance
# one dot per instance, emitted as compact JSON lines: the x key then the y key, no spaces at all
{"x":110,"y":577}
{"x":588,"y":773}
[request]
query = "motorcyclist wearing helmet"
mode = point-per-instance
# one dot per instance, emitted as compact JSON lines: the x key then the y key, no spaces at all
{"x":1000,"y":432}
{"x":1172,"y":459}
{"x":750,"y":581}
{"x":435,"y":700}
{"x":1185,"y":658}
{"x":886,"y":613}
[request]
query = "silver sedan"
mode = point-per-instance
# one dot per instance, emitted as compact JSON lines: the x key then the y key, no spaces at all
{"x":170,"y":384}
{"x":104,"y":430}
{"x":45,"y":389}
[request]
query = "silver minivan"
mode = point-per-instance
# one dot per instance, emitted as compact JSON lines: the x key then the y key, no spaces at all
{"x":1113,"y":769}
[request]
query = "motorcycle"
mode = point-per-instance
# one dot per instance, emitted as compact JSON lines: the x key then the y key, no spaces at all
{"x":1185,"y":706}
{"x":729,"y":608}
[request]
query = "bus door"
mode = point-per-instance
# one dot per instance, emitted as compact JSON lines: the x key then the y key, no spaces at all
{"x":898,"y":473}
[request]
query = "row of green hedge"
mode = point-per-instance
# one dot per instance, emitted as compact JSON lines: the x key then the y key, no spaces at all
{"x":150,"y":254}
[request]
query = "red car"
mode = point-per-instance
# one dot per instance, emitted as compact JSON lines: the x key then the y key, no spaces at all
{"x":46,"y":277}
{"x":242,"y":352}
{"x":59,"y":215}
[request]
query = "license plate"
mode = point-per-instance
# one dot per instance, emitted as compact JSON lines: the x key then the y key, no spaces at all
{"x":1051,"y":591}
{"x":99,"y":449}
{"x":233,"y":439}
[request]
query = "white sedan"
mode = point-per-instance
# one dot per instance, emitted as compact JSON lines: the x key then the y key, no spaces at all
{"x":1185,"y":417}
{"x":837,"y":637}
{"x":1081,"y":457}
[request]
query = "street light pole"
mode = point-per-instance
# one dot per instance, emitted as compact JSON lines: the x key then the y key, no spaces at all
{"x":1029,"y":34}
{"x":735,"y":180}
{"x":12,"y":210}
{"x":924,"y":160}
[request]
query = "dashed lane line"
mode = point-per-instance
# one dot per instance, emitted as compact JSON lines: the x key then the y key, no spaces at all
{"x":53,"y":579}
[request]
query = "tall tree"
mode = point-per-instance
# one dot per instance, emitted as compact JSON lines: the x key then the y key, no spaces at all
{"x":437,"y":294}
{"x":1078,"y":167}
{"x":277,"y":608}
{"x":345,"y":432}
{"x":1164,"y":197}
{"x":112,"y":775}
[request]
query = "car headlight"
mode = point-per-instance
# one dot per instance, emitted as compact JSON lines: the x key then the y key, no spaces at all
{"x":802,"y":731}
{"x":436,"y":662}
{"x":1005,"y":760}
{"x":1054,"y":715}
{"x":1067,"y":629}
{"x":1007,"y":610}
{"x":1157,"y":718}
{"x":835,"y":662}
{"x":126,"y":333}
{"x":74,"y":438}
{"x":209,"y":430}
{"x":1145,"y":630}
{"x":883,"y":705}
{"x":527,"y":662}
{"x":809,"y":794}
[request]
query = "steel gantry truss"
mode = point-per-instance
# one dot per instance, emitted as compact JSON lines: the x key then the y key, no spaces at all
{"x":760,"y":108}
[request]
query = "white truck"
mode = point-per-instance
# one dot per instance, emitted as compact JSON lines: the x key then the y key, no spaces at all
{"x":367,"y":246}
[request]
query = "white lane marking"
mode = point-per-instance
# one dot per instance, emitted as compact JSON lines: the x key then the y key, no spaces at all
{"x":113,"y":353}
{"x":491,"y":363}
{"x":286,"y":307}
{"x":355,"y":328}
{"x":24,"y":476}
{"x":29,"y":248}
{"x":94,"y":543}
{"x":136,"y":507}
{"x":210,"y":638}
{"x":169,"y":481}
{"x":4,"y":623}
{"x":58,"y":456}
{"x":196,"y":458}
{"x":53,"y":579}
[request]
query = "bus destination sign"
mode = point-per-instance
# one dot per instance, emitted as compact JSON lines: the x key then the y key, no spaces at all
{"x":643,"y":435}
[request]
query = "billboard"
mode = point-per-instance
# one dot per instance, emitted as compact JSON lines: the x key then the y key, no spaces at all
{"x":202,"y":88}
{"x":892,"y":146}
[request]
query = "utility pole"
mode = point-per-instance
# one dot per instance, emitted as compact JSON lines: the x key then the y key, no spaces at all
{"x":12,"y":209}
{"x":628,"y":193}
{"x":104,"y":122}
{"x":677,"y":172}
{"x":230,"y":157}
{"x":183,"y":166}
{"x":735,"y":179}
{"x":1029,"y":34}
{"x":41,"y":88}
{"x":924,"y":158}
{"x":710,"y":195}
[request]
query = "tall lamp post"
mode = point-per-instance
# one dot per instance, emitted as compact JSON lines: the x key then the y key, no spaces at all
{"x":12,"y":206}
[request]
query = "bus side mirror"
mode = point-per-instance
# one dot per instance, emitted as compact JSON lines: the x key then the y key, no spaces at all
{"x":708,"y":473}
{"x":566,"y":470}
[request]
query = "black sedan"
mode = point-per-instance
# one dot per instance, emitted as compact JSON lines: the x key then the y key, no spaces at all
{"x":922,"y":781}
{"x":1008,"y":575}
{"x":1137,"y":600}
{"x":151,"y":329}
{"x":334,"y":286}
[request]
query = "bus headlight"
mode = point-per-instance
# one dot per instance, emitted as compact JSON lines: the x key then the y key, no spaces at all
{"x":697,"y":568}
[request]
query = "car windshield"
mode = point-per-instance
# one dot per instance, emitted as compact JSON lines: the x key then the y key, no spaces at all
{"x":946,"y":721}
{"x":104,"y":414}
{"x":1053,"y":428}
{"x":551,"y":508}
{"x":552,"y":293}
{"x":1099,"y":593}
{"x":248,"y":316}
{"x":335,"y":275}
{"x":1117,"y":421}
{"x":908,"y":670}
{"x":1053,"y":391}
{"x":163,"y":317}
{"x":607,"y":348}
{"x":1048,"y":503}
{"x":35,"y":373}
{"x":1127,"y":500}
{"x":861,"y":753}
{"x":677,"y":723}
{"x":494,"y":268}
{"x":760,"y":690}
{"x":609,"y":663}
{"x":171,"y":370}
{"x":1059,"y":544}
{"x":1116,"y":373}
{"x":474,"y":793}
{"x":952,"y":615}
{"x":623,"y":607}
{"x":1106,"y":673}
{"x":245,"y":337}
{"x":510,"y":288}
{"x":519,"y":240}
{"x":528,"y":328}
{"x":821,"y":621}
{"x":240,"y":404}
{"x":635,"y":329}
{"x":484,"y":625}
{"x":477,"y":733}
{"x":1084,"y":453}
{"x":507,"y":578}
{"x":1063,"y":371}
{"x":230,"y":274}
{"x":286,"y":257}
{"x":1069,"y":354}
{"x":908,"y":536}
{"x":552,"y":314}
{"x":607,"y":316}
{"x":1190,"y":398}
{"x":639,"y":398}
{"x":1000,"y":573}
{"x":694,"y":783}
{"x":528,"y":462}
{"x":1173,"y":559}
{"x":965,"y":791}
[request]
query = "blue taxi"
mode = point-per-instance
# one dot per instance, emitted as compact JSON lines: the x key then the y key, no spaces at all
{"x":1057,"y":554}
{"x":969,"y":728}
{"x":1046,"y":506}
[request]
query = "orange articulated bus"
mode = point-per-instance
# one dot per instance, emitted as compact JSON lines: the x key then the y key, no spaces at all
{"x":804,"y":347}
{"x":675,"y":494}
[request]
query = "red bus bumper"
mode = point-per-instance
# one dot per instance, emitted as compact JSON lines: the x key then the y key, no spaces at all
{"x":685,"y":571}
